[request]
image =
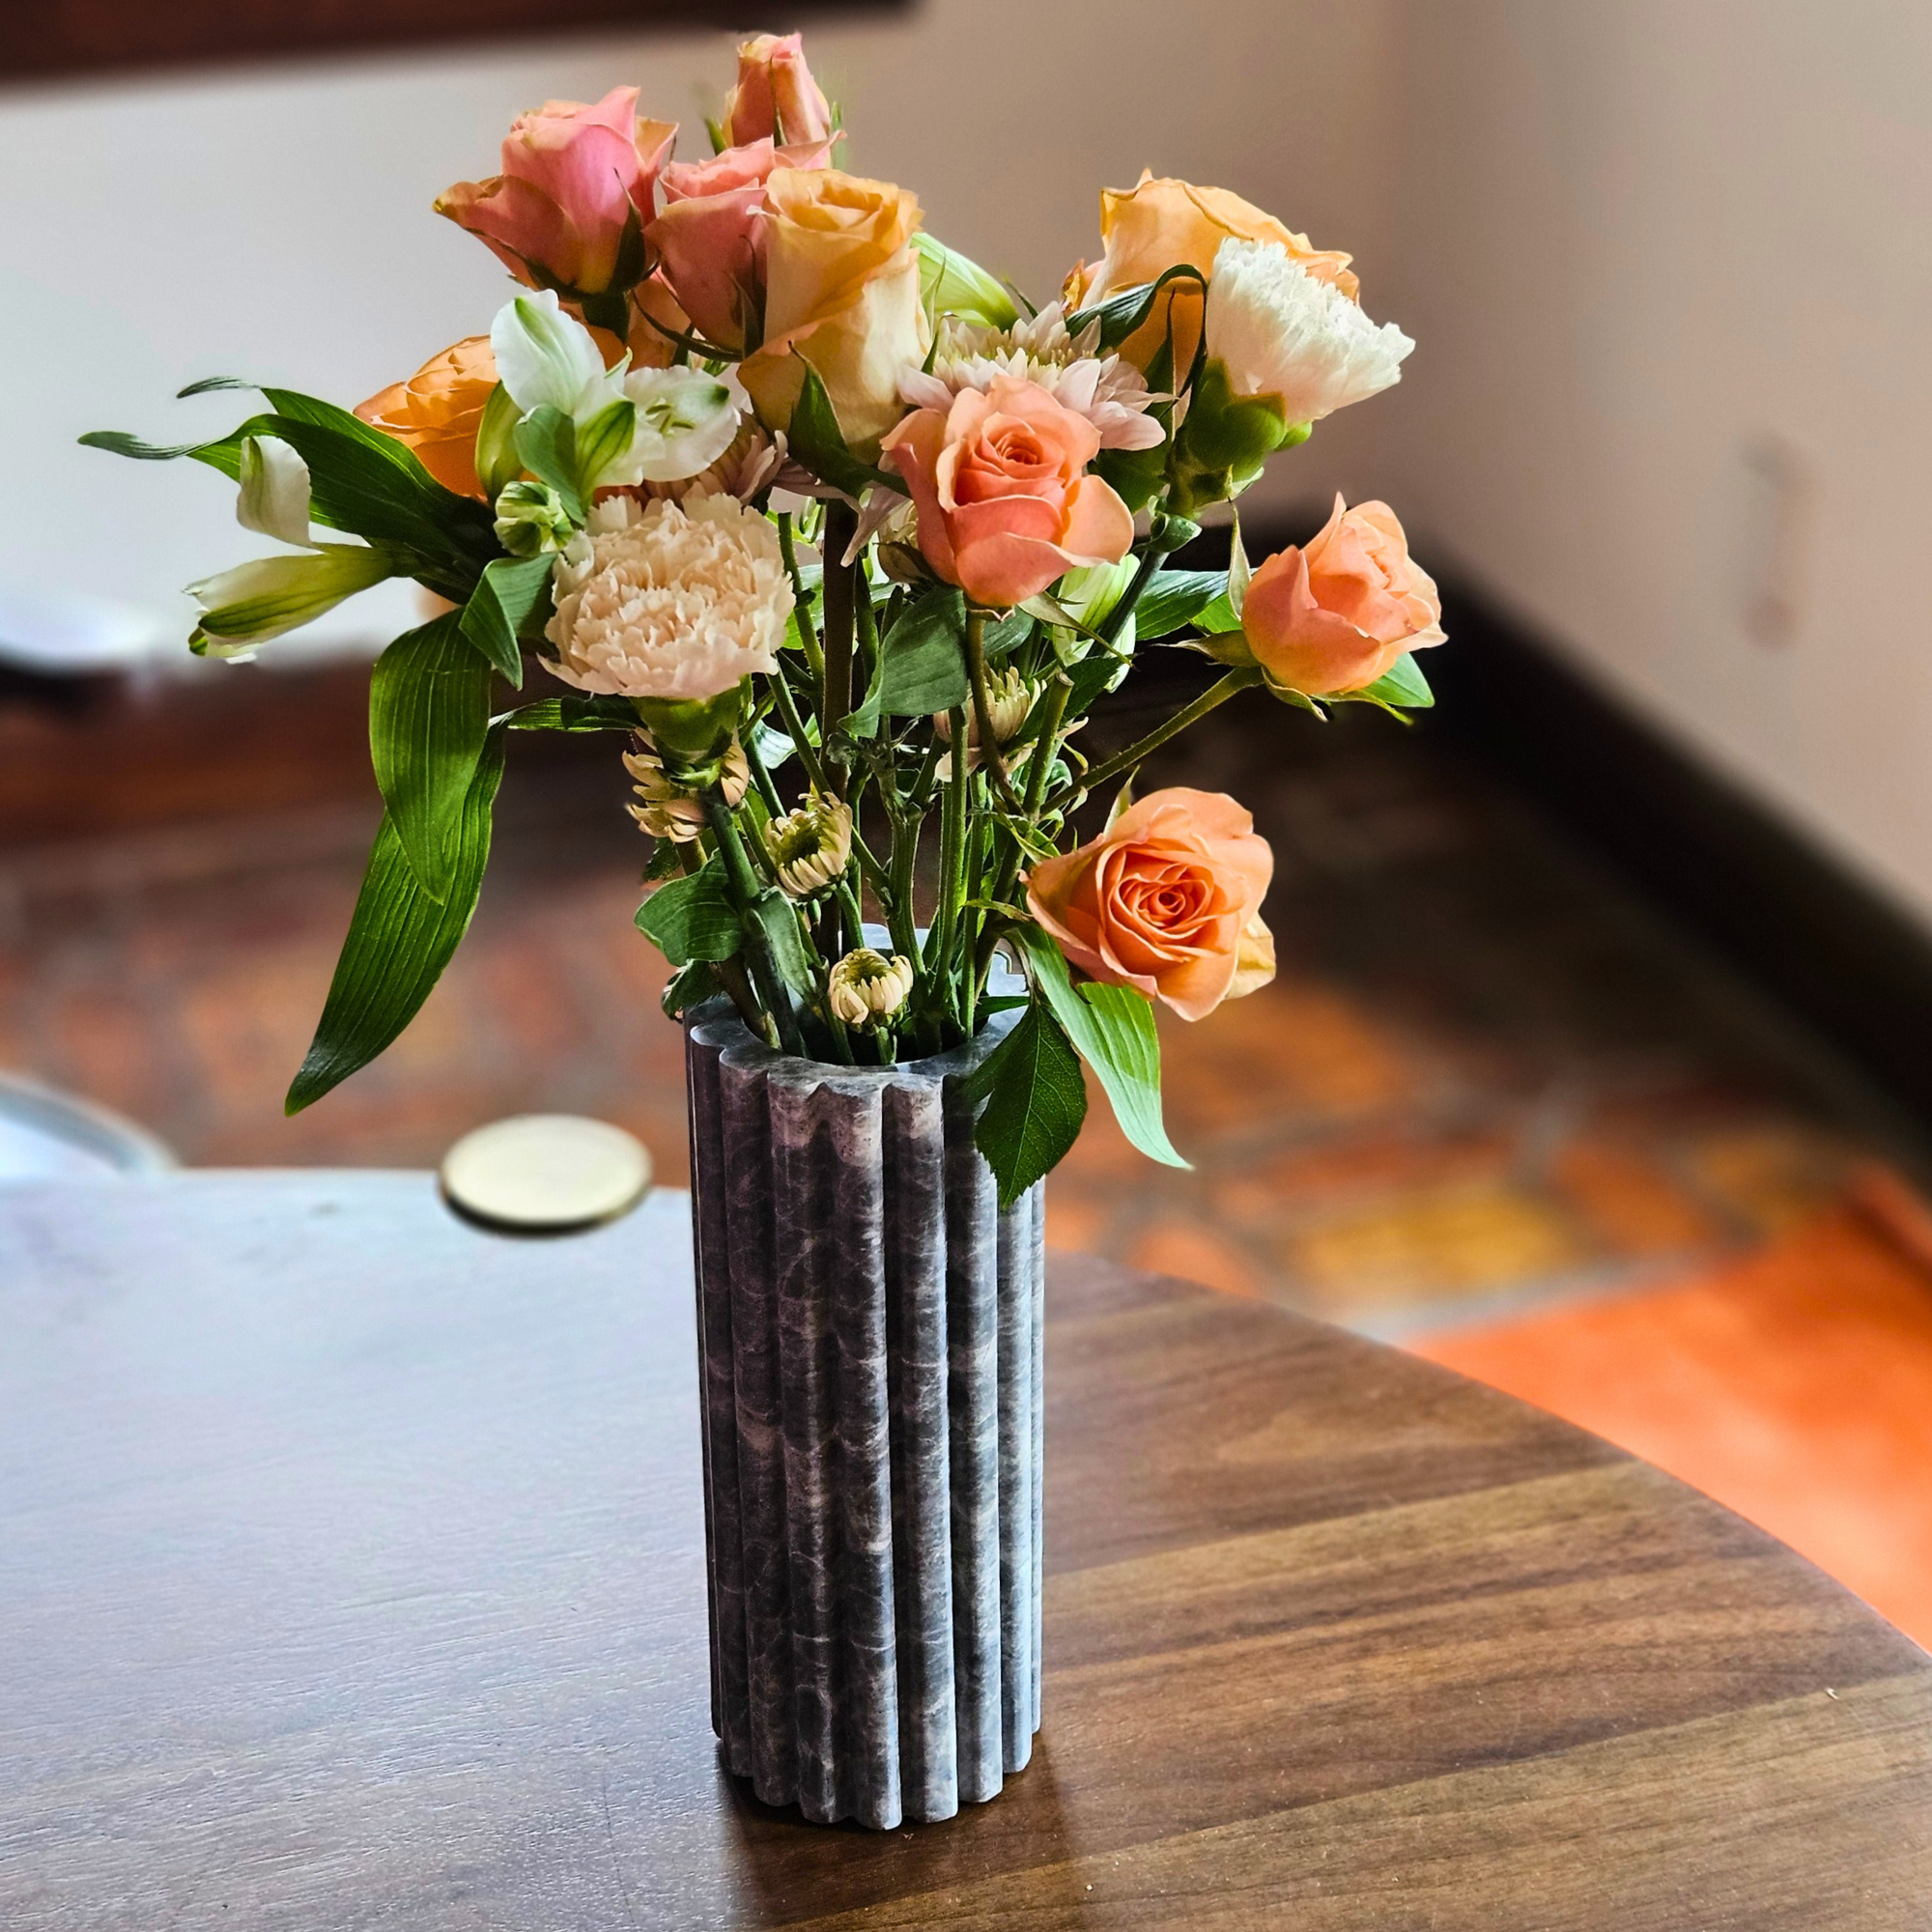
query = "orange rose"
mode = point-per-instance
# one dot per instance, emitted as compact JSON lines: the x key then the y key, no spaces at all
{"x":1157,"y":225}
{"x":437,"y":411}
{"x":1005,"y":506}
{"x":1336,"y":614}
{"x":1166,"y":900}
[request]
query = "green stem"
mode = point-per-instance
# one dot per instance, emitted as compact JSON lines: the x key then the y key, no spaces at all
{"x":1217,"y":693}
{"x":761,"y":777}
{"x":742,"y":883}
{"x":982,"y":712}
{"x":800,"y":599}
{"x":1116,"y":619}
{"x":939,"y":960}
{"x":1046,"y":742}
{"x":835,"y":701}
{"x":795,"y":724}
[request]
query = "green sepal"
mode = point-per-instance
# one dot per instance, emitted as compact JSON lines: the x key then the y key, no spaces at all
{"x":814,"y":438}
{"x":692,"y":917}
{"x":1032,"y":1099}
{"x":695,"y":728}
{"x":1113,"y":1028}
{"x":547,"y":441}
{"x":429,"y":715}
{"x":1122,"y":314}
{"x":1401,"y":688}
{"x":399,"y":941}
{"x":509,"y":596}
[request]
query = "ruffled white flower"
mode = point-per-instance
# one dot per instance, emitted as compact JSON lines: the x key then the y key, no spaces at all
{"x":1111,"y":393}
{"x":669,"y":600}
{"x":1281,"y":332}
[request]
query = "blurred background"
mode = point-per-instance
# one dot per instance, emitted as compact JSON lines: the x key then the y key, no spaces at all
{"x":1600,"y":1064}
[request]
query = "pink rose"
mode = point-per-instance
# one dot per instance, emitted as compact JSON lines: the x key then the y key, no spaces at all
{"x":1004,"y":503}
{"x":1336,"y":614}
{"x":775,"y":98}
{"x":1167,"y":899}
{"x":711,"y":235}
{"x":574,"y":179}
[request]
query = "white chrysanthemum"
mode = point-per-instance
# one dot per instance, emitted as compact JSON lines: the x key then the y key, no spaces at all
{"x":865,"y":987}
{"x":1281,"y":332}
{"x":667,"y":807}
{"x":810,"y":847}
{"x":1110,"y":393}
{"x":670,"y":600}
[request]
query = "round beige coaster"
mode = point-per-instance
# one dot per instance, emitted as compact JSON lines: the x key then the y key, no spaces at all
{"x":546,"y":1173}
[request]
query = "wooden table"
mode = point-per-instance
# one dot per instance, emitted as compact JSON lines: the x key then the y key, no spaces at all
{"x":350,"y":1576}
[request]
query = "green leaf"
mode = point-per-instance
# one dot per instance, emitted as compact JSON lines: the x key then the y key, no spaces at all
{"x":921,"y":661}
{"x":547,"y":441}
{"x":1176,"y":598}
{"x":692,"y":917}
{"x":1122,"y":314}
{"x":1008,"y":633}
{"x":1032,"y":1100}
{"x":399,"y":941}
{"x":508,"y":596}
{"x":429,"y":715}
{"x":688,"y":986}
{"x":208,"y":383}
{"x":575,"y":713}
{"x":779,"y":918}
{"x":815,"y":440}
{"x":1114,"y":1029}
{"x":1402,"y":686}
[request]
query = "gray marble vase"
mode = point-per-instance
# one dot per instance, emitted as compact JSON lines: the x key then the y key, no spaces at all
{"x":870,"y":1328}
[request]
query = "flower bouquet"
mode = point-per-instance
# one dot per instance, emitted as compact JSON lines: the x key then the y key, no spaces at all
{"x":844,"y":538}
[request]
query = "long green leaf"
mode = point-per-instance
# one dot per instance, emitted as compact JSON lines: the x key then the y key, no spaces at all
{"x":1113,"y":1027}
{"x":429,"y":714}
{"x":1032,"y":1100}
{"x":399,"y":941}
{"x":815,"y":440}
{"x":779,"y":918}
{"x":547,"y":441}
{"x":1122,"y":314}
{"x":692,"y":917}
{"x":508,"y":596}
{"x":575,"y":713}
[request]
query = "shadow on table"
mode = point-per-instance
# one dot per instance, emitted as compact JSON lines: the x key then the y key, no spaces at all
{"x":790,"y":1871}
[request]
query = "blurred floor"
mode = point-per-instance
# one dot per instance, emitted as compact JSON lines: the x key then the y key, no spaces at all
{"x":1490,"y":1102}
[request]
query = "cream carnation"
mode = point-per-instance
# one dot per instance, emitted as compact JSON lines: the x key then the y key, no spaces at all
{"x":669,"y":600}
{"x":1280,"y":331}
{"x":1111,"y":393}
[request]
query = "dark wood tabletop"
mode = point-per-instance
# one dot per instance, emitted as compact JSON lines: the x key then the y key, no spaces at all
{"x":351,"y":1576}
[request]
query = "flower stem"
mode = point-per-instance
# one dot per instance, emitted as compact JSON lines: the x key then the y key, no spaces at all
{"x":951,"y":869}
{"x":742,"y":883}
{"x":801,"y":740}
{"x":1116,"y":619}
{"x":1217,"y":693}
{"x":801,"y":601}
{"x":835,"y":701}
{"x":1053,"y":702}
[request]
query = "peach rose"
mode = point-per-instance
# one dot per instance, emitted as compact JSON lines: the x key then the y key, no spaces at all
{"x":1335,"y":614}
{"x":711,"y":236}
{"x":1156,"y":226}
{"x":775,"y":98}
{"x":842,"y":291}
{"x":1166,"y":900}
{"x":574,"y":179}
{"x":437,"y":411}
{"x":1005,"y":505}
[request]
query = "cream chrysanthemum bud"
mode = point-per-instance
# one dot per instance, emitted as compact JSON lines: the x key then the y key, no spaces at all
{"x":1278,"y":332}
{"x":865,"y":988}
{"x":668,"y":808}
{"x":669,"y":600}
{"x":1009,"y":697}
{"x":810,"y":846}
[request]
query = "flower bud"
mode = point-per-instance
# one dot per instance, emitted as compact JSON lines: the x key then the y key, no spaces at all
{"x":530,"y":518}
{"x":1226,"y":439}
{"x":951,"y":283}
{"x":1009,"y":697}
{"x":257,"y":601}
{"x":810,"y":846}
{"x":670,"y":808}
{"x":865,"y":988}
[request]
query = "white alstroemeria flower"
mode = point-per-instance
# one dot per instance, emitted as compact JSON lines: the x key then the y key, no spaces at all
{"x":275,"y":490}
{"x":544,"y":356}
{"x":248,"y":605}
{"x":1281,"y":332}
{"x":1111,"y":393}
{"x":687,"y":419}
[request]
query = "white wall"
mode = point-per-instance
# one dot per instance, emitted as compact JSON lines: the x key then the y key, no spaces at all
{"x":1633,"y":240}
{"x":277,"y":224}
